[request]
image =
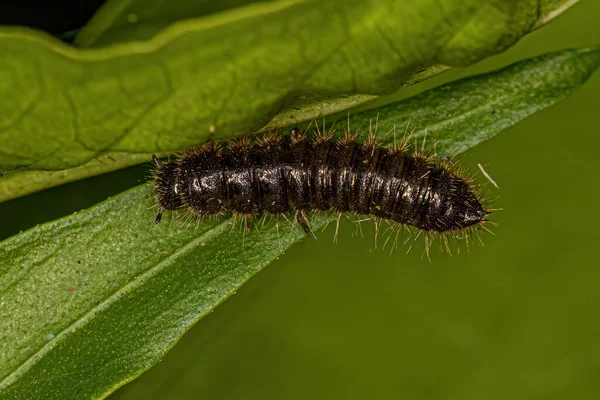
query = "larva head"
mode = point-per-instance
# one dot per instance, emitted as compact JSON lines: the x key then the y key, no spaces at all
{"x":446,"y":202}
{"x":166,"y":187}
{"x":468,"y":210}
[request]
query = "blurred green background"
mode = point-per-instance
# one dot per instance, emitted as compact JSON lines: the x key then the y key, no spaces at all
{"x":516,"y":318}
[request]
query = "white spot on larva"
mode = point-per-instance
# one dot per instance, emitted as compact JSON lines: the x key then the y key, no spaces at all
{"x":436,"y":200}
{"x":132,"y":18}
{"x":408,"y":192}
{"x":196,"y":184}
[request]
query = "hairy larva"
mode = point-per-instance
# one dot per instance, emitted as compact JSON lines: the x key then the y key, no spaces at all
{"x":301,"y":175}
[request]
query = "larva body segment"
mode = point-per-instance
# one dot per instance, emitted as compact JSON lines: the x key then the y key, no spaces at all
{"x":301,"y":175}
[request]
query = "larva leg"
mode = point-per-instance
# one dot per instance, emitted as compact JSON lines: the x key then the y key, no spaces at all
{"x":303,"y":222}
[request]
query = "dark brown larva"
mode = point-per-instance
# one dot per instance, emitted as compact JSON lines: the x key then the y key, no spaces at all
{"x":299,"y":175}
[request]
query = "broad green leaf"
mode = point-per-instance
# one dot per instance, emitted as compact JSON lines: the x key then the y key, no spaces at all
{"x":228,"y":73}
{"x":89,"y":302}
{"x":112,"y":24}
{"x":20,"y":183}
{"x":54,"y":139}
{"x":475,"y":108}
{"x":114,"y":16}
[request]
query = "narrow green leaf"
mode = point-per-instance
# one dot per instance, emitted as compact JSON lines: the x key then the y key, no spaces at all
{"x":228,"y":73}
{"x":461,"y":114}
{"x":90,"y":301}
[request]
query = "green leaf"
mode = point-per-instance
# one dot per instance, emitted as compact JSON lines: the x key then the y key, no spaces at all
{"x":120,"y":21}
{"x":89,"y":302}
{"x":228,"y":73}
{"x":459,"y":115}
{"x":109,"y":108}
{"x":112,"y":24}
{"x":550,"y":9}
{"x":475,"y":108}
{"x":20,"y":183}
{"x":92,"y":300}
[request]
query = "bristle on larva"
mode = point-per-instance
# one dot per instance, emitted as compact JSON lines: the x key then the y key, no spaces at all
{"x":298,"y":175}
